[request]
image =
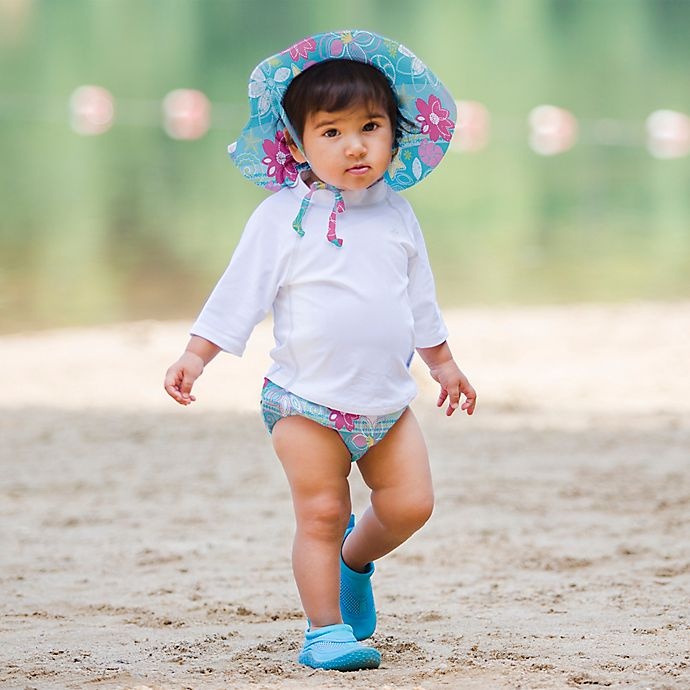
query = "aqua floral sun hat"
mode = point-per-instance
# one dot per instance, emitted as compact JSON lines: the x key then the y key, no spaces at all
{"x":261,"y":152}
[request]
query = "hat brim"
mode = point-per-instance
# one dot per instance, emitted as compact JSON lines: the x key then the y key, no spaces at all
{"x":261,"y":152}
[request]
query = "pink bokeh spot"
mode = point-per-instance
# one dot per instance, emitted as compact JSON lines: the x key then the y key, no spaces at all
{"x":473,"y":128}
{"x":92,"y":110}
{"x":279,"y":161}
{"x":187,"y":114}
{"x":434,"y":119}
{"x":553,"y":130}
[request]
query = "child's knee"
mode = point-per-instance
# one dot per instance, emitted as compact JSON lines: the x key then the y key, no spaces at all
{"x":324,"y":516}
{"x":419,"y":510}
{"x":404,"y":515}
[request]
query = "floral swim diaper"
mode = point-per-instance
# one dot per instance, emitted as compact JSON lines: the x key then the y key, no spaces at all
{"x":358,"y":432}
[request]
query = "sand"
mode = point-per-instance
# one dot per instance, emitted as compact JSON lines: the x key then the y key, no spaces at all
{"x":145,"y":545}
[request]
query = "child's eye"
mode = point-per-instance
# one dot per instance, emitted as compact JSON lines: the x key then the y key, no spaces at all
{"x":370,"y":127}
{"x":330,"y":133}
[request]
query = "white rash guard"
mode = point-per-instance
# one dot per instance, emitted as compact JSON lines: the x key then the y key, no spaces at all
{"x":347,"y":319}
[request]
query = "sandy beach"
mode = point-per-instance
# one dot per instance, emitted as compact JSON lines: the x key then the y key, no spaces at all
{"x":147,"y":546}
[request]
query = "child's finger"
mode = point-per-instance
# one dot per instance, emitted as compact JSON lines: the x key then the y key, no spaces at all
{"x":186,"y":386}
{"x":170,"y":384}
{"x":169,"y":380}
{"x":470,"y":402}
{"x":442,"y":397}
{"x":174,"y":393}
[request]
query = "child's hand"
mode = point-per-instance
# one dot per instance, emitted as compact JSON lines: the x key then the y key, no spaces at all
{"x":453,"y":384}
{"x":181,"y":376}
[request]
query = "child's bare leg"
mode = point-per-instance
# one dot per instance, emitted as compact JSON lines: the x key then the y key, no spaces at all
{"x":317,"y":465}
{"x":402,"y":499}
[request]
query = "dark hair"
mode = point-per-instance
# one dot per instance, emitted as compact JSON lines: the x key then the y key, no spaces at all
{"x":338,"y":84}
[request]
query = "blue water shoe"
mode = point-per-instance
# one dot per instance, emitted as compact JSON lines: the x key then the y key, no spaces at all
{"x":356,"y":596}
{"x":335,"y":648}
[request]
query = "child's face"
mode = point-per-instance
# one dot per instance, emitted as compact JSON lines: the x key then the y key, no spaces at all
{"x":349,"y":149}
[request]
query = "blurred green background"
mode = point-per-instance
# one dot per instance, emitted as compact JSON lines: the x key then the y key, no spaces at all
{"x":132,"y":224}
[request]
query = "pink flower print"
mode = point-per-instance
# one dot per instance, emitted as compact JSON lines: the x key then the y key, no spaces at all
{"x":302,"y":49}
{"x":343,"y":419}
{"x":434,"y":119}
{"x":362,"y":441}
{"x":337,"y":47}
{"x":430,"y":153}
{"x":279,"y":161}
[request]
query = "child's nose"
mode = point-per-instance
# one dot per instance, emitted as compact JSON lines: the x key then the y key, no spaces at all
{"x":356,"y":146}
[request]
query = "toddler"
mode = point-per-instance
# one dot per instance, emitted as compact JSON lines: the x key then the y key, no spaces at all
{"x":340,"y":122}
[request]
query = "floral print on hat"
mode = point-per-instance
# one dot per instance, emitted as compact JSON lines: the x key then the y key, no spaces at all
{"x":434,"y":119}
{"x":279,"y":161}
{"x":261,"y":153}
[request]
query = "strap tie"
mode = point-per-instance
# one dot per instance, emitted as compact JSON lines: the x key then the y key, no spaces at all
{"x":338,"y":207}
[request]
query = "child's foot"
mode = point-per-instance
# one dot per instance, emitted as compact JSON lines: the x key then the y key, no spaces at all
{"x":334,"y":647}
{"x":356,"y":596}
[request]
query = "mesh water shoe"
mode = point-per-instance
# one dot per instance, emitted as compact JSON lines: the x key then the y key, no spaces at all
{"x":335,"y":648}
{"x":356,"y":596}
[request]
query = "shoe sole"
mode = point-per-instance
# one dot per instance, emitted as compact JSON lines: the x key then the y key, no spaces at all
{"x":358,"y":660}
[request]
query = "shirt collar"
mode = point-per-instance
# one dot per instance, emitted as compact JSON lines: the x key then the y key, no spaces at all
{"x":359,"y":197}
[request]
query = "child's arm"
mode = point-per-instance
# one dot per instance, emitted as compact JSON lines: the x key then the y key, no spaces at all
{"x":454,"y":383}
{"x":181,"y":376}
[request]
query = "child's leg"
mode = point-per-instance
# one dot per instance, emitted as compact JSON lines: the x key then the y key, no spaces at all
{"x":317,"y":465}
{"x":397,"y":471}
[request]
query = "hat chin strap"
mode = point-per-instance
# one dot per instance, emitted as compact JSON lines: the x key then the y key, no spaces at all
{"x":302,"y":167}
{"x":284,"y":120}
{"x":338,"y":207}
{"x":316,"y":185}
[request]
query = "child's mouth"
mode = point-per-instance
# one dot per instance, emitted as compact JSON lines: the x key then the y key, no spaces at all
{"x":358,"y":169}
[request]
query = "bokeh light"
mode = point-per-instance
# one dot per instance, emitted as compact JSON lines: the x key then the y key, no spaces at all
{"x":553,"y":130}
{"x":668,"y":134}
{"x":186,"y":114}
{"x":473,"y":127}
{"x":92,"y":110}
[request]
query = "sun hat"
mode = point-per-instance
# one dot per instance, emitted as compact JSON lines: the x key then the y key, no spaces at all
{"x":261,"y":152}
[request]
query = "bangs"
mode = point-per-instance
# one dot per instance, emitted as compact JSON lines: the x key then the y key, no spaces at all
{"x":340,"y":85}
{"x":332,"y":95}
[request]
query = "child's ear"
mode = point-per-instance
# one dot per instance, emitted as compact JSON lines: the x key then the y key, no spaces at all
{"x":294,"y":149}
